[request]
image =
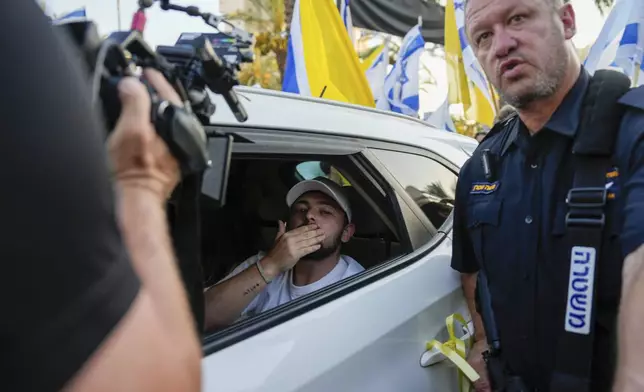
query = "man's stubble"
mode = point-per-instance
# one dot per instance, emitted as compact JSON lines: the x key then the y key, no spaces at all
{"x":547,"y":81}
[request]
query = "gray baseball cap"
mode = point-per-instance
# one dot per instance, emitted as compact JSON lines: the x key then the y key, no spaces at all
{"x":320,"y":184}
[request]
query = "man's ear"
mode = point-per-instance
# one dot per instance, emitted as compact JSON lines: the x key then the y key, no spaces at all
{"x":568,"y":19}
{"x":348,"y":232}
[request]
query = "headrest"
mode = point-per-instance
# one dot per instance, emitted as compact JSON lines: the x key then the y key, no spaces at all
{"x":272,"y":209}
{"x":366,"y":221}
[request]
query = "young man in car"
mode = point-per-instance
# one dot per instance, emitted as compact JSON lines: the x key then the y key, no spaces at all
{"x":305,"y":257}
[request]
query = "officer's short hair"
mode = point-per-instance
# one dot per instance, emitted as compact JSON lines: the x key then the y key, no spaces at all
{"x":554,"y":3}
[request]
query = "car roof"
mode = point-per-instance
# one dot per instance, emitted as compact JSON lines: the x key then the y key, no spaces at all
{"x":287,"y":111}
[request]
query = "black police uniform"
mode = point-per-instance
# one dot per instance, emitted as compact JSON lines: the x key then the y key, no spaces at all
{"x":513,"y":226}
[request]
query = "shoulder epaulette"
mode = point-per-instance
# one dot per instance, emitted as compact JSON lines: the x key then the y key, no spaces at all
{"x":498,"y":127}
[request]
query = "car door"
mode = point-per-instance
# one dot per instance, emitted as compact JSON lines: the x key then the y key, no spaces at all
{"x":367,"y":333}
{"x":412,"y":305}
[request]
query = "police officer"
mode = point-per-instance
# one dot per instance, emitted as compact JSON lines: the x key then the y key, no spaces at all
{"x":510,"y":222}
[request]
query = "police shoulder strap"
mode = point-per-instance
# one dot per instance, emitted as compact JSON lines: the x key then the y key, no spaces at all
{"x":499,"y":127}
{"x":593,"y":147}
{"x":508,"y":130}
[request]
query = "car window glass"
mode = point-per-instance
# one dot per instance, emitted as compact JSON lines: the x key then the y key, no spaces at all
{"x":312,"y":169}
{"x":431,"y":185}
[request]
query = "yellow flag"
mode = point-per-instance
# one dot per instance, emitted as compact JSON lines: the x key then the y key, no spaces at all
{"x":461,"y":90}
{"x":369,"y":60}
{"x":481,"y":111}
{"x":332,"y":64}
{"x":458,"y":91}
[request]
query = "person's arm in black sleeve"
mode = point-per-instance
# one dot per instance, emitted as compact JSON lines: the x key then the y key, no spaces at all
{"x":630,"y":155}
{"x":464,"y":261}
{"x":74,"y":312}
{"x":463,"y":257}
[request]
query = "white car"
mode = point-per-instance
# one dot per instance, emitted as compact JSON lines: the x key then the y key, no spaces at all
{"x":367,"y":332}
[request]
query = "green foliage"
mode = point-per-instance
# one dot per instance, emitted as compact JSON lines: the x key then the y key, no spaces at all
{"x":604,"y":5}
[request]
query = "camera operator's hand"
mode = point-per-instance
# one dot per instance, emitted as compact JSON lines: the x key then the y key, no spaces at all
{"x":140,"y":158}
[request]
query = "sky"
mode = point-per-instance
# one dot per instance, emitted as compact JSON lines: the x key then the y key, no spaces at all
{"x":164,"y":27}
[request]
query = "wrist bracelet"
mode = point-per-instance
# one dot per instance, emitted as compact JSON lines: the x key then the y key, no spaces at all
{"x":260,"y":269}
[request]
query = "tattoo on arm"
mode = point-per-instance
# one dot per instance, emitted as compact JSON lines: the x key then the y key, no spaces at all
{"x":251,"y":289}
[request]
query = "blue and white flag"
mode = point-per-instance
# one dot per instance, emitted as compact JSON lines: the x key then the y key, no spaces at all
{"x":400,"y":90}
{"x":621,"y":42}
{"x":472,"y":66}
{"x":345,"y":13}
{"x":46,"y":8}
{"x":441,"y":118}
{"x":295,"y":77}
{"x":377,"y":71}
{"x":76,"y":15}
{"x":630,"y":52}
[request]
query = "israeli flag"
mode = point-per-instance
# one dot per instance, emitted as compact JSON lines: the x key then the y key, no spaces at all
{"x":377,"y":72}
{"x":345,"y":13}
{"x":400,"y":90}
{"x":46,"y":8}
{"x":76,"y":15}
{"x":621,"y":42}
{"x":441,"y":118}
{"x":472,"y":66}
{"x":295,"y":77}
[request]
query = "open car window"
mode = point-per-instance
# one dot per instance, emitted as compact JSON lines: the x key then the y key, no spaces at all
{"x":256,"y":200}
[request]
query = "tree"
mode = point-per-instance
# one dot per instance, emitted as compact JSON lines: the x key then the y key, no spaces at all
{"x":288,"y":12}
{"x":604,"y":5}
{"x":266,"y":19}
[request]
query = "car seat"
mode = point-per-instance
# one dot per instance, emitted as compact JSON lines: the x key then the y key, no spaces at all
{"x":372,"y":242}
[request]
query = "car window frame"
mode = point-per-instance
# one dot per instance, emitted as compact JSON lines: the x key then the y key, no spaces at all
{"x":244,"y":329}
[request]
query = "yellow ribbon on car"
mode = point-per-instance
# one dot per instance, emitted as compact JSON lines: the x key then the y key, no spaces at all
{"x":454,"y":350}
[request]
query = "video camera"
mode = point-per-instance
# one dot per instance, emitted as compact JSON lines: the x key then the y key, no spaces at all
{"x":231,"y":50}
{"x":204,"y":157}
{"x":190,"y":69}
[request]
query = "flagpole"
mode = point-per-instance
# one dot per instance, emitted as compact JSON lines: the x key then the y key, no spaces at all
{"x":494,"y":100}
{"x":118,"y":12}
{"x":636,"y":76}
{"x":639,"y":54}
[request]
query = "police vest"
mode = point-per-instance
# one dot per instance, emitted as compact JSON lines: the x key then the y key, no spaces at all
{"x":602,"y":111}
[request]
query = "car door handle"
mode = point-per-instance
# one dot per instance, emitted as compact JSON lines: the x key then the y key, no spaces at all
{"x":435,"y":355}
{"x":455,"y":350}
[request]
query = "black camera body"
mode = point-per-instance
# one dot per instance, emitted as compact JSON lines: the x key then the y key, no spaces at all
{"x":190,"y":70}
